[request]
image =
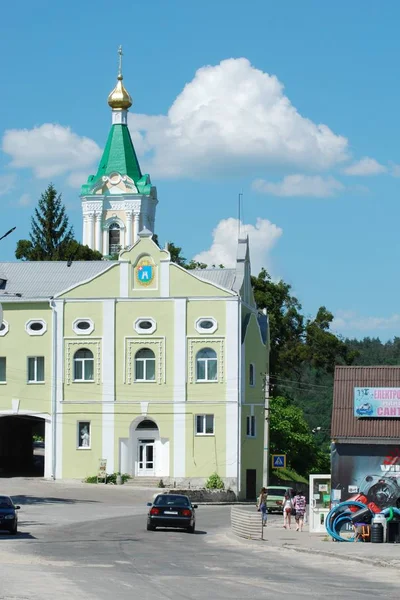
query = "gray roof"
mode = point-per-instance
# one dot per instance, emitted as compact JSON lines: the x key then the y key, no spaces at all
{"x":222,"y":277}
{"x":35,"y":280}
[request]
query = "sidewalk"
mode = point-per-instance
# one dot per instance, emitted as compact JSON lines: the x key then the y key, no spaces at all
{"x":387,"y":555}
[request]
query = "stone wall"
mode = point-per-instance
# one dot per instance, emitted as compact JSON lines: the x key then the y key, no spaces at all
{"x":204,"y":495}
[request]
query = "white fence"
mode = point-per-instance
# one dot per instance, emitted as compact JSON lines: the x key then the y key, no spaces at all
{"x":246,"y":523}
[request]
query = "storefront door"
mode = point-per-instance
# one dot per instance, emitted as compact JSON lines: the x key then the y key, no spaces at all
{"x":320,"y":500}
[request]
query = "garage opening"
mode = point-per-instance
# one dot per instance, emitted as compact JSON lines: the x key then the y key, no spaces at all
{"x":22,"y":445}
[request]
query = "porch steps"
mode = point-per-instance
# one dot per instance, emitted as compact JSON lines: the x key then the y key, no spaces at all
{"x":144,"y":482}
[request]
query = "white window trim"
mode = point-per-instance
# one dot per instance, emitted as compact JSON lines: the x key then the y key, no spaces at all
{"x":6,"y":329}
{"x":82,"y":360}
{"x":4,"y":382}
{"x":83,"y":331}
{"x":204,"y":415}
{"x":254,"y":375}
{"x":35,"y":381}
{"x":78,"y":447}
{"x":212,"y":329}
{"x":29,"y":331}
{"x":140,"y":331}
{"x":249,"y":419}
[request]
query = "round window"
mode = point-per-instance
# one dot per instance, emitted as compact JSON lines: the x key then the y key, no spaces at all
{"x":36,"y":326}
{"x":206,"y":324}
{"x":83,"y":325}
{"x":145,"y":325}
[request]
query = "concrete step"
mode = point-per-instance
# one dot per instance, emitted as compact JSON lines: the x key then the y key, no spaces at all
{"x":144,"y":482}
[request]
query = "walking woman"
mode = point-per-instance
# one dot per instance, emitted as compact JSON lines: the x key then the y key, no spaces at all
{"x":262,"y":505}
{"x":288,"y":507}
{"x":300,"y":508}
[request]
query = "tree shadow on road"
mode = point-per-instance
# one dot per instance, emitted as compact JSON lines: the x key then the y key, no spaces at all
{"x":25,"y":500}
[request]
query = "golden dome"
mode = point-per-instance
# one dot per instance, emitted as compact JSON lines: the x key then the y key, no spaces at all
{"x":120,"y":99}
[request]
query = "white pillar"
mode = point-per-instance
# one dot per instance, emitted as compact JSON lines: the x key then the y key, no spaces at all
{"x":84,"y":234}
{"x":136,"y":227}
{"x":98,"y":241}
{"x":128,"y":228}
{"x":90,"y":233}
{"x":106,"y":250}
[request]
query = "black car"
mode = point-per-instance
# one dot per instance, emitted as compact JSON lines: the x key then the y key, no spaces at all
{"x":8,"y":515}
{"x":171,"y":510}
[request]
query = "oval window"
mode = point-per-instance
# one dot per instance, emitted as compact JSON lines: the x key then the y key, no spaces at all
{"x":36,"y":326}
{"x":206,"y":324}
{"x":2,"y":327}
{"x":83,"y":325}
{"x":145,"y":325}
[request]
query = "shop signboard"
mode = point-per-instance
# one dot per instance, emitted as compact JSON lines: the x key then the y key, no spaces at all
{"x":376,"y":402}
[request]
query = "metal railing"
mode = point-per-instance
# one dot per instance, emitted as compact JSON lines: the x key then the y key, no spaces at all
{"x":247,"y":524}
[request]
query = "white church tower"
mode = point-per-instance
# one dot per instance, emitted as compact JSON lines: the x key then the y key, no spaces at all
{"x":119,"y":201}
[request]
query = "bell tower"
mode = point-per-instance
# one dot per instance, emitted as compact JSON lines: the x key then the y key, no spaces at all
{"x":119,"y":201}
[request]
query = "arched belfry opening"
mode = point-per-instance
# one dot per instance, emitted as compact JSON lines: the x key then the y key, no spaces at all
{"x":114,"y":238}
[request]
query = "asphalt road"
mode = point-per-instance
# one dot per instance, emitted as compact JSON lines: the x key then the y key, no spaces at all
{"x":117,"y":558}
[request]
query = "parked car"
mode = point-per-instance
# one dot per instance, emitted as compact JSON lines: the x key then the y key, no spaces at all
{"x":171,"y":510}
{"x":275,"y":497}
{"x":8,"y":515}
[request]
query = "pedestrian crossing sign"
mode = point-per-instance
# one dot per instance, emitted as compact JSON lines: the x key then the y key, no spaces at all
{"x":279,"y":461}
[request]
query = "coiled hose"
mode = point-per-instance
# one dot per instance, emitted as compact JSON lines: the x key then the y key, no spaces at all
{"x":338,"y":516}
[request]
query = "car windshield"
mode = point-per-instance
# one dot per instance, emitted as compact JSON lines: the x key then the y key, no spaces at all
{"x":276,"y":492}
{"x":5,"y":502}
{"x":166,"y":500}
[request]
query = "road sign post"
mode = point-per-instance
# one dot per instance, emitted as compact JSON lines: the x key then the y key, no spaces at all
{"x":278,"y":461}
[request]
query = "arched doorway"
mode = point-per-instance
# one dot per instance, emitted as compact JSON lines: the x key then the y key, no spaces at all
{"x":22,"y":446}
{"x":145,"y":453}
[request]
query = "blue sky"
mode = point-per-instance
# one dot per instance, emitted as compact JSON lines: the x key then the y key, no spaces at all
{"x":293,"y":103}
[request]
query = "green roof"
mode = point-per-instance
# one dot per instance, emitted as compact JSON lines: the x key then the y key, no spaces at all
{"x":119,"y":156}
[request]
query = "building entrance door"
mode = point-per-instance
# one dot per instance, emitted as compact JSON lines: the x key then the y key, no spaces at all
{"x":146,"y":457}
{"x":320,"y":501}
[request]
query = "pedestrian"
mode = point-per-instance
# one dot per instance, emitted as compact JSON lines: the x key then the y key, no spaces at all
{"x":288,"y":507}
{"x":300,"y":510}
{"x":262,"y":505}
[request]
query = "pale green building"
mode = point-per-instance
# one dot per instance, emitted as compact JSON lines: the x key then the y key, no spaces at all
{"x":158,"y":370}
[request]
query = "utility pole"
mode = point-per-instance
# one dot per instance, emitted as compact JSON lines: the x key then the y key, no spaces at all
{"x":266,"y":431}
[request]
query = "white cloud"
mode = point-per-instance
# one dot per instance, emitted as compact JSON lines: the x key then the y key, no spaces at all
{"x":76,"y":179}
{"x":262,"y":237}
{"x":233,"y":116}
{"x":49,"y":150}
{"x":300,"y":185}
{"x":7,"y":183}
{"x":364,"y":167}
{"x":395,"y":170}
{"x":25,"y":200}
{"x":349,"y":320}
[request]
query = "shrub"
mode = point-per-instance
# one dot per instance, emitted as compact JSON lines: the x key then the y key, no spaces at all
{"x":111,"y":478}
{"x":214,"y":482}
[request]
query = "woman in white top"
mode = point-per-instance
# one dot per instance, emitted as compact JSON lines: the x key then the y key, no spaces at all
{"x":287,"y":510}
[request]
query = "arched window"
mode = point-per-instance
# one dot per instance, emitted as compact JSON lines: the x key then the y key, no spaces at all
{"x":83,"y":365}
{"x":206,"y":365}
{"x":114,"y":238}
{"x":145,"y":365}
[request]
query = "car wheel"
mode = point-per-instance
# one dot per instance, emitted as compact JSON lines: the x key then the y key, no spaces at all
{"x":191,"y":529}
{"x":14,"y":531}
{"x":150,"y":527}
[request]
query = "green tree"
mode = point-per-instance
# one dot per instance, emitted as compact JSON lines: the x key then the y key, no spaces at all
{"x":290,"y":434}
{"x":51,"y":236}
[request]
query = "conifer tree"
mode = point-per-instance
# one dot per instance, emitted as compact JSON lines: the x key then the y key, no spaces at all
{"x":51,"y":236}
